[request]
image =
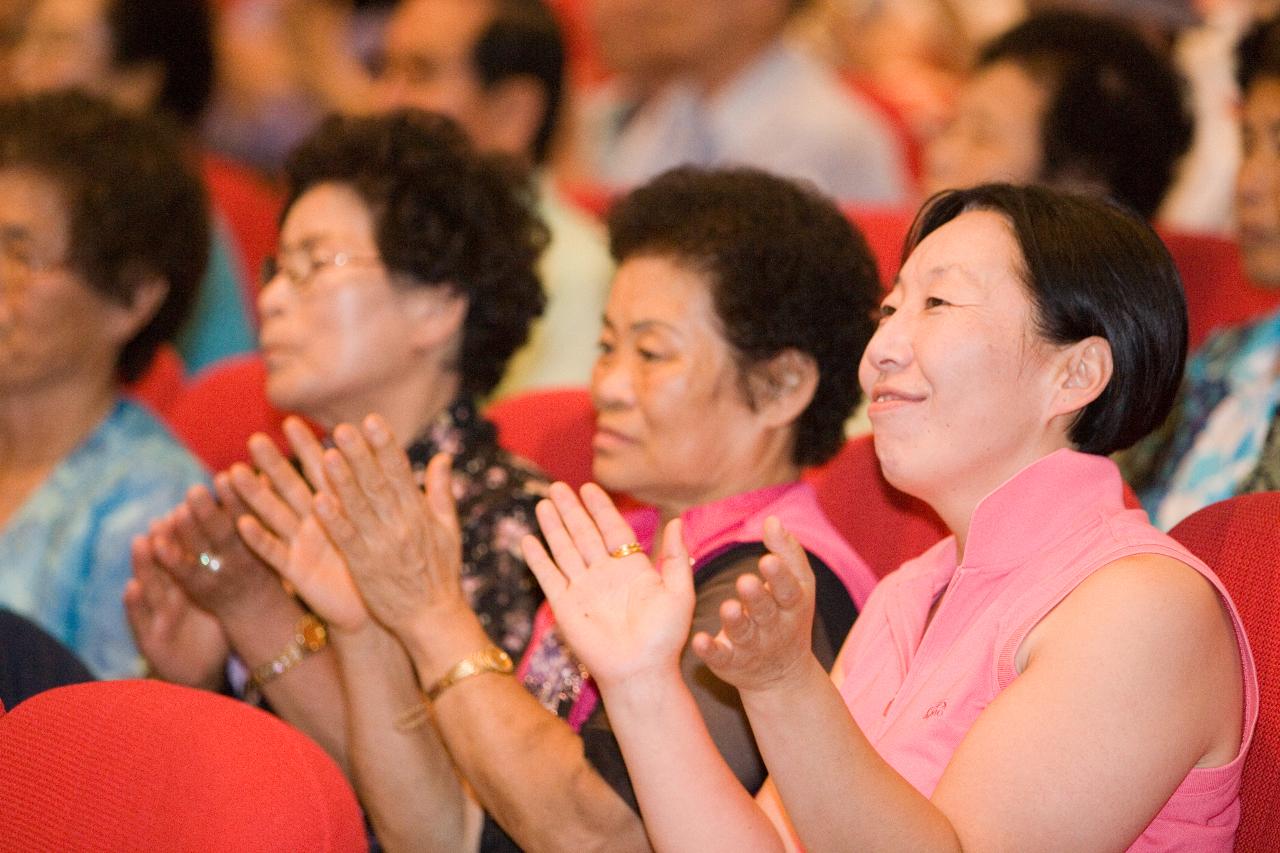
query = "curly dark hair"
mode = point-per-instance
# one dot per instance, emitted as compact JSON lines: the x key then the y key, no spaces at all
{"x":1258,"y":53}
{"x":1091,"y":267}
{"x":1116,"y":111}
{"x":134,"y":202}
{"x":444,"y":216}
{"x":787,"y":271}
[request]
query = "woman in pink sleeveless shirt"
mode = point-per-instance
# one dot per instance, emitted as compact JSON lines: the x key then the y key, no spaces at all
{"x":1058,"y":674}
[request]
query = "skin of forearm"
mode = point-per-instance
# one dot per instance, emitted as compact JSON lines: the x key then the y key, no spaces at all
{"x":830,"y":786}
{"x":308,"y":695}
{"x":524,"y":764}
{"x":405,"y":778}
{"x":690,"y":798}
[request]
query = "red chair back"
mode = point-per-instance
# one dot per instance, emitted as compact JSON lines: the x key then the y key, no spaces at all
{"x":222,"y":407}
{"x":551,"y":428}
{"x":144,"y":765}
{"x":885,"y":526}
{"x":1218,"y":293}
{"x":1239,"y":538}
{"x":163,"y":383}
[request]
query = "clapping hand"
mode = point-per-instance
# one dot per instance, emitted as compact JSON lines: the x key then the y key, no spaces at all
{"x":765,"y":634}
{"x":286,"y":534}
{"x":620,"y":615}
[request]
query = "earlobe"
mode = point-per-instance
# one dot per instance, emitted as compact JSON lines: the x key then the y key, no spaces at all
{"x":1087,"y":372}
{"x":786,"y":385}
{"x":437,"y":313}
{"x":128,"y":320}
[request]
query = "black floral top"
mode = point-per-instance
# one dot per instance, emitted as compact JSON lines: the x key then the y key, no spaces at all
{"x":495,"y":494}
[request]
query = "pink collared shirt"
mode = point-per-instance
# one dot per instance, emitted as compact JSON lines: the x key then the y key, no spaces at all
{"x":1031,"y":542}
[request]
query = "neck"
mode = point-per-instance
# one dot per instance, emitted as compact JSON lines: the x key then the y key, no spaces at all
{"x":39,"y":427}
{"x":723,"y":66}
{"x":956,"y":505}
{"x":781,"y":471}
{"x":409,"y":404}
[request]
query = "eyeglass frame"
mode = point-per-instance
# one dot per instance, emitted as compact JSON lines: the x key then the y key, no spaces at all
{"x":271,"y":266}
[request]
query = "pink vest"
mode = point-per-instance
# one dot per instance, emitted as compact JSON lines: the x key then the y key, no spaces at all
{"x":1031,"y":542}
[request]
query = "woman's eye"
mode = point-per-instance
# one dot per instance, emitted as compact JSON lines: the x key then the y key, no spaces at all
{"x":604,"y":347}
{"x":935,"y":302}
{"x":649,"y":355}
{"x":884,"y":312}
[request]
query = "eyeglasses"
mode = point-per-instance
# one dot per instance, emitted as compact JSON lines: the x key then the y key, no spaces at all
{"x":300,"y":266}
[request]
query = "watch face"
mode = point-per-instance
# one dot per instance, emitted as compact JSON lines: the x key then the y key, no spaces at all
{"x":314,"y":634}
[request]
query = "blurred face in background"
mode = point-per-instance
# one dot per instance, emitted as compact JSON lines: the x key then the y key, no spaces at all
{"x":995,"y":134}
{"x":661,"y":38}
{"x":65,"y":44}
{"x":1258,"y":183}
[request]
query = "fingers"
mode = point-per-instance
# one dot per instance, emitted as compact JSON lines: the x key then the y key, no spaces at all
{"x":394,"y":463}
{"x":364,"y":472}
{"x":786,"y":566}
{"x":440,"y":490}
{"x":563,"y":550}
{"x":265,"y":503}
{"x":715,"y":652}
{"x":612,"y":527}
{"x":341,"y":532}
{"x":269,"y":547}
{"x":280,"y":473}
{"x":309,"y":450}
{"x":553,"y":583}
{"x":676,"y":567}
{"x":583,"y":531}
{"x":213,"y":520}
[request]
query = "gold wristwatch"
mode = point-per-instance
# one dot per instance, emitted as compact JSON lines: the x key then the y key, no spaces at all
{"x":489,"y":659}
{"x":310,"y":637}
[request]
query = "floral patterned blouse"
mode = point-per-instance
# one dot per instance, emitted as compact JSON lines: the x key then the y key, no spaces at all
{"x":495,"y":494}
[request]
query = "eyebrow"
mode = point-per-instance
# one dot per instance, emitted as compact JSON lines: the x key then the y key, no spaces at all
{"x":10,"y":232}
{"x":643,"y":325}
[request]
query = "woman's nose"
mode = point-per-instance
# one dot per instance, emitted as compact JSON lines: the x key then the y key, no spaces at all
{"x":611,"y":385}
{"x":890,"y":347}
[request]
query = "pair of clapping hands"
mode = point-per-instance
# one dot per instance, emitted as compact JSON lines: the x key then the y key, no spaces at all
{"x":625,"y":620}
{"x":353,"y":535}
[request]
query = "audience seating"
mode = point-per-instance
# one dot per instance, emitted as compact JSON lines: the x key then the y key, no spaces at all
{"x":250,"y":207}
{"x":551,"y":428}
{"x":885,"y":526}
{"x":1240,"y":538}
{"x":221,"y":408}
{"x":1218,"y":293}
{"x":162,"y":384}
{"x":145,"y":765}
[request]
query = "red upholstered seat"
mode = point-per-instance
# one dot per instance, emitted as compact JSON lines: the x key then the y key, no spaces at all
{"x":251,"y":209}
{"x":222,"y":407}
{"x":1218,"y":294}
{"x":163,"y":382}
{"x":551,"y":428}
{"x":1240,"y":539}
{"x":144,"y":765}
{"x":885,"y":526}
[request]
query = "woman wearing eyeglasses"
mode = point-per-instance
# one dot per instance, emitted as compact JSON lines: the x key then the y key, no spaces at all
{"x":403,"y":281}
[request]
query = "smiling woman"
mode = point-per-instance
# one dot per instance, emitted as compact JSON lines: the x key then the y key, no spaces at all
{"x":1029,"y":333}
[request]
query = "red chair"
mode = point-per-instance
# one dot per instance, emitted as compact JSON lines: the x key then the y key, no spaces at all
{"x":1240,"y":538}
{"x":551,"y":428}
{"x":163,"y":382}
{"x":885,"y":526}
{"x":222,"y":407}
{"x":144,"y":765}
{"x":1218,"y":293}
{"x":251,"y":209}
{"x":885,"y":230}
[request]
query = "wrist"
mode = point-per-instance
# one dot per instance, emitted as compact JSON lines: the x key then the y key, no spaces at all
{"x":441,"y":638}
{"x":644,"y":689}
{"x":791,"y":682}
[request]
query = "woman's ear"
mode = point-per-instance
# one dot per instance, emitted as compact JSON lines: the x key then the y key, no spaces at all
{"x":125,"y":321}
{"x":783,"y":386}
{"x":1086,"y":368}
{"x":438,"y":314}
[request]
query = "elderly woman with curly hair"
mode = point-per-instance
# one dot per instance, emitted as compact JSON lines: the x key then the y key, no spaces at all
{"x":724,"y":367}
{"x":103,"y":233}
{"x":403,"y":281}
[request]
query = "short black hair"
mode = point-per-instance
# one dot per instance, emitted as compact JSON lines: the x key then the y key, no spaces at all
{"x":1091,"y":267}
{"x":134,"y":202}
{"x":523,"y":39}
{"x":1258,"y":53}
{"x":444,"y":215}
{"x":1116,"y":111}
{"x":177,"y":36}
{"x":787,"y":271}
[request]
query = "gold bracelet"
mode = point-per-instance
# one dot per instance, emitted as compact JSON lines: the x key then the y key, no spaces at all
{"x":489,"y":659}
{"x":310,"y":636}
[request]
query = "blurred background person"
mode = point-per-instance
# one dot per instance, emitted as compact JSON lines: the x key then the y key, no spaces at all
{"x":157,"y":56}
{"x":1223,"y":437}
{"x":103,"y":241}
{"x":1069,"y":100}
{"x":404,"y":280}
{"x":714,"y":83}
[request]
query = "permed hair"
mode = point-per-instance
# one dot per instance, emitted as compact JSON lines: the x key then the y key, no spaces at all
{"x":787,"y":271}
{"x":444,"y":216}
{"x":134,"y":203}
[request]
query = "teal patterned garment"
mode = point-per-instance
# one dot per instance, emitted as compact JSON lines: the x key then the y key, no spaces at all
{"x":1221,"y":438}
{"x":64,"y":555}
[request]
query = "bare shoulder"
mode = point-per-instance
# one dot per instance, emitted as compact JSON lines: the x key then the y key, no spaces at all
{"x":1159,"y":627}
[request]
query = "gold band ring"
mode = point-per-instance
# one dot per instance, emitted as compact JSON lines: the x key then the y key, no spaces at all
{"x":626,"y":550}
